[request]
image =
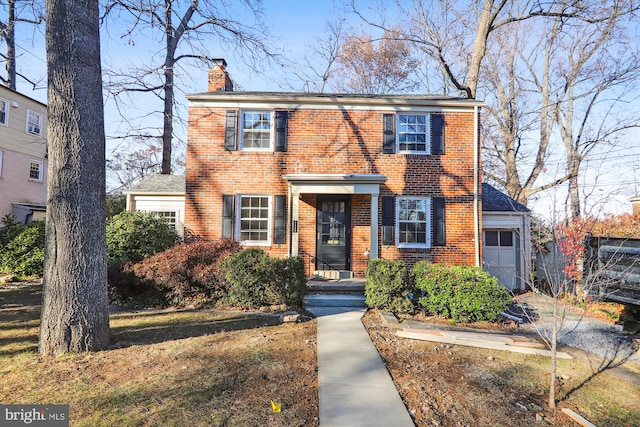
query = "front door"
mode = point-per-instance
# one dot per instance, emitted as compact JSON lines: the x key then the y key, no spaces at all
{"x":333,"y":233}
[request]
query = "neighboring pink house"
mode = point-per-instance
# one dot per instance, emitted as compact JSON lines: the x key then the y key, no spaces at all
{"x":23,"y":156}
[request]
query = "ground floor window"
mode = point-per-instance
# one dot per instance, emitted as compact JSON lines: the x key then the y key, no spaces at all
{"x":171,"y":217}
{"x":254,"y":219}
{"x":413,"y":222}
{"x":35,"y":170}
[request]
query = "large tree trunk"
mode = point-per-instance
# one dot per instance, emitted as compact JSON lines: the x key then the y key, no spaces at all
{"x":75,"y":306}
{"x":10,"y":38}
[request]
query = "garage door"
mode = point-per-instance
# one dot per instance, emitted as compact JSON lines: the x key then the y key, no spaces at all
{"x":500,"y":256}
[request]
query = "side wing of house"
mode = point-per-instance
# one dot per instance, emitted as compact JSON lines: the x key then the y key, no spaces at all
{"x":506,"y":239}
{"x":336,"y":179}
{"x":162,"y":195}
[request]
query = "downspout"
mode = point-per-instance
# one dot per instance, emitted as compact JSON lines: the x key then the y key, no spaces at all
{"x":476,"y":167}
{"x":289,"y":222}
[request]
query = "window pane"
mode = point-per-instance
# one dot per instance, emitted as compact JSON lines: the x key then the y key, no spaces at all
{"x":254,"y":218}
{"x":35,"y":171}
{"x":256,"y":129}
{"x":491,"y":238}
{"x":412,"y":221}
{"x":506,"y":238}
{"x":412,"y":132}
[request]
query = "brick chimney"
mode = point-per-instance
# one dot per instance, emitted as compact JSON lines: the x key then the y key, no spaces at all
{"x":219,"y":80}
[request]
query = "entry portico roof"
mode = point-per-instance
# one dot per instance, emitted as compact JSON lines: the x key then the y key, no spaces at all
{"x":335,"y":183}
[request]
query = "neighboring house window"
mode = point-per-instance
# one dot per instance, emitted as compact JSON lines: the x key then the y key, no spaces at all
{"x":34,"y":123}
{"x":254,"y":220}
{"x":256,"y":130}
{"x":170,"y":217}
{"x":413,"y":133}
{"x":413,"y":222}
{"x":4,"y":112}
{"x":35,"y":170}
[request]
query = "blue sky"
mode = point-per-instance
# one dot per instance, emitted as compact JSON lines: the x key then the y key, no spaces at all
{"x":294,"y":25}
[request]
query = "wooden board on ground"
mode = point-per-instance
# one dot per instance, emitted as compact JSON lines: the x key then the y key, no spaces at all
{"x":493,"y":345}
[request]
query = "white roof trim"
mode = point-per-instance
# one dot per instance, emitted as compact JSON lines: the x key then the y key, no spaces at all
{"x":335,"y":183}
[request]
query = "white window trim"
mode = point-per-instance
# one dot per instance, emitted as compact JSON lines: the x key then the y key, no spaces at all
{"x":6,"y":112}
{"x":1,"y":159}
{"x":41,"y":170}
{"x":269,"y":221}
{"x":39,"y":123}
{"x":427,"y":151}
{"x":427,"y":243}
{"x":174,"y":211}
{"x":271,"y":131}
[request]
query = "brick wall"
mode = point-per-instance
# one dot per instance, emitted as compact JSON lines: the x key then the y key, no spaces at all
{"x":338,"y":142}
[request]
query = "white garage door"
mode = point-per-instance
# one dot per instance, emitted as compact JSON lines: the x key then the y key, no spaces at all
{"x":500,"y":256}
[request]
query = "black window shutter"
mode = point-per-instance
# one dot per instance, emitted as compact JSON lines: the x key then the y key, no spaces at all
{"x":437,"y":133}
{"x":279,"y":219}
{"x":228,"y":216}
{"x":231,"y":131}
{"x":388,"y":133}
{"x":388,"y":223}
{"x":281,"y":130}
{"x":439,"y":223}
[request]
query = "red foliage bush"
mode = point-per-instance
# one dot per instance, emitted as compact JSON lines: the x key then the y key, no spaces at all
{"x":186,"y":274}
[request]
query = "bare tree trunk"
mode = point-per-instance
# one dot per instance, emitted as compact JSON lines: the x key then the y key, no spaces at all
{"x":10,"y":38}
{"x":167,"y":132}
{"x":75,"y":306}
{"x":554,"y":354}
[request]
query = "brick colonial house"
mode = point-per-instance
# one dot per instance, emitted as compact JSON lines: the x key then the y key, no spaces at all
{"x":336,"y":178}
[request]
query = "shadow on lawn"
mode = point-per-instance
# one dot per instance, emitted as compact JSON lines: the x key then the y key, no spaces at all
{"x":151,"y":328}
{"x":20,"y":316}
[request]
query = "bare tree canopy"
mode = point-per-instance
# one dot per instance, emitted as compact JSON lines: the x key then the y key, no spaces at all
{"x":186,"y":30}
{"x":17,"y":11}
{"x":75,"y":314}
{"x":376,"y":68}
{"x":556,"y":77}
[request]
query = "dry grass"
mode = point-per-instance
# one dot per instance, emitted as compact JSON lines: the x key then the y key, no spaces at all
{"x":199,"y":368}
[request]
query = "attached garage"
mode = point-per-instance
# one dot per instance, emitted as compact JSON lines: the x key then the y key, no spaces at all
{"x":506,"y":239}
{"x":160,"y":194}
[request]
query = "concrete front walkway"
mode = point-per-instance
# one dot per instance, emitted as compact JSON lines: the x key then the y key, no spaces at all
{"x":354,"y":386}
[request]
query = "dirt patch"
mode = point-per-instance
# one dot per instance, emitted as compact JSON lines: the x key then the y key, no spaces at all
{"x":452,"y":385}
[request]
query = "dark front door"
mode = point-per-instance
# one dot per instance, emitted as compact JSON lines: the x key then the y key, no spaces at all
{"x":333,"y":233}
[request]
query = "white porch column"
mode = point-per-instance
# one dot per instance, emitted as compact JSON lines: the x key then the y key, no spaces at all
{"x":295,"y":237}
{"x":373,"y":251}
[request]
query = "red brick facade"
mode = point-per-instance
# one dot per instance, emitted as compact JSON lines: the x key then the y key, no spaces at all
{"x":342,"y":136}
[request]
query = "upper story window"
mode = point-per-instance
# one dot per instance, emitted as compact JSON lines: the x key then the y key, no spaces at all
{"x":413,"y":222}
{"x":256,"y":130}
{"x":34,"y":123}
{"x":4,"y":112}
{"x":36,"y":170}
{"x":413,"y":133}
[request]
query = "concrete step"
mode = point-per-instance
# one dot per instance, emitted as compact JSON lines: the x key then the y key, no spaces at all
{"x":333,"y":300}
{"x":355,"y":286}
